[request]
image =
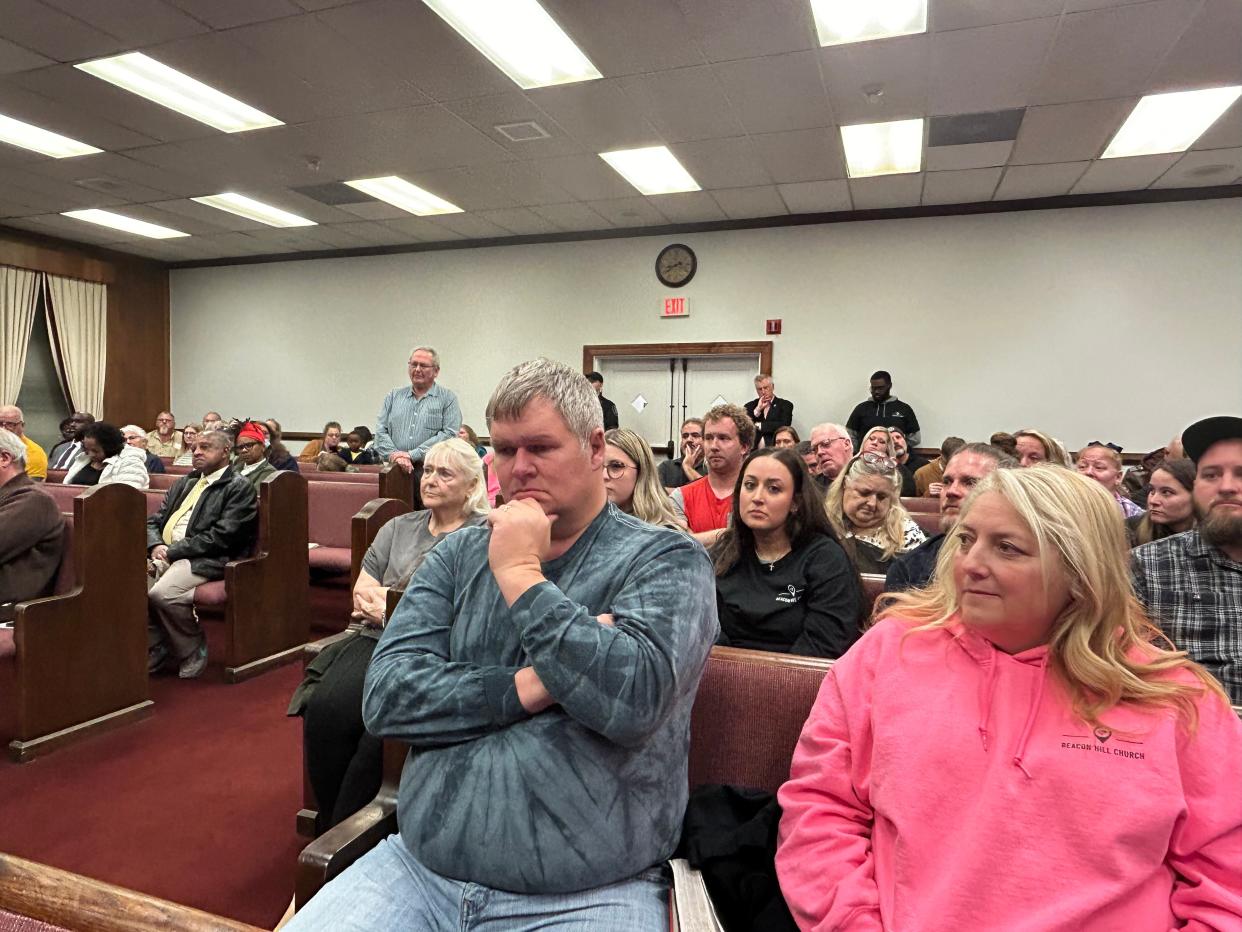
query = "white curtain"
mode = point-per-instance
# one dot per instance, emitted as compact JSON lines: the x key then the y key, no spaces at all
{"x":77,"y":325}
{"x":17,"y":314}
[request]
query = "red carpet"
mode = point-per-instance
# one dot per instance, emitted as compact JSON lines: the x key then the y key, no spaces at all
{"x":195,"y":805}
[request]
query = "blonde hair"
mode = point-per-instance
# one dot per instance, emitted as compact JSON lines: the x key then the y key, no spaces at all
{"x":1053,"y":451}
{"x":890,"y":448}
{"x":892,"y":528}
{"x":1109,"y":453}
{"x":1101,"y":643}
{"x":457,"y":453}
{"x":650,"y":502}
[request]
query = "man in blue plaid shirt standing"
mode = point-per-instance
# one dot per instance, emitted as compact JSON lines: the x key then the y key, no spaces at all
{"x":1191,"y":583}
{"x":416,"y":417}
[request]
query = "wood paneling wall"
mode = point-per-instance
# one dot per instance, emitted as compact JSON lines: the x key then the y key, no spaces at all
{"x":136,"y":384}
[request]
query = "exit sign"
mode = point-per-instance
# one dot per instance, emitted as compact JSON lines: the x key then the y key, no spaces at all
{"x":675,"y":307}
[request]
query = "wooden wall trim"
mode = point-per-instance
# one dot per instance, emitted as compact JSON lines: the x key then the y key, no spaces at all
{"x":761,"y":348}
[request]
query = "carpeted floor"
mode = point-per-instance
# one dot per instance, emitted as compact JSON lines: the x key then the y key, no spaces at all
{"x":196,"y":804}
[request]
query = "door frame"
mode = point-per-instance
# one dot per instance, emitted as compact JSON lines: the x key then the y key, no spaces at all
{"x":760,"y":348}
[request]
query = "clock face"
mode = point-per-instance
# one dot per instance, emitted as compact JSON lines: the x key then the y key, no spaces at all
{"x":676,"y":265}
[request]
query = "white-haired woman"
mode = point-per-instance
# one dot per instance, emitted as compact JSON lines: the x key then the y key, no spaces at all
{"x":864,"y":507}
{"x":343,"y":762}
{"x":1016,"y":746}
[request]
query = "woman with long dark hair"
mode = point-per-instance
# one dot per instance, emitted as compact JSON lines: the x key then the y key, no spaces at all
{"x":783,"y":581}
{"x":1170,"y":503}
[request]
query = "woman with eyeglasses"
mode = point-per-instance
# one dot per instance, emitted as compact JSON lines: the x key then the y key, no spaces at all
{"x":1170,"y":503}
{"x":783,"y":581}
{"x":864,"y":507}
{"x":1016,"y":746}
{"x":189,"y":435}
{"x":631,"y":481}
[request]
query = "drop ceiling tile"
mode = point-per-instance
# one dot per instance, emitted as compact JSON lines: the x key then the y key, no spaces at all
{"x":634,"y":37}
{"x":225,"y":14}
{"x":571,"y":217}
{"x":135,"y":22}
{"x":522,"y":183}
{"x":1025,"y":181}
{"x":15,"y":58}
{"x":1110,"y":53}
{"x":801,"y":155}
{"x":478,"y":187}
{"x":888,"y":191}
{"x":1069,"y":132}
{"x":960,"y":187}
{"x":989,"y":68}
{"x":972,"y":155}
{"x":684,"y":104}
{"x":295,"y":239}
{"x":235,"y":244}
{"x":471,"y":226}
{"x":116,"y":175}
{"x":723,"y":163}
{"x":777,"y":93}
{"x":733,"y":29}
{"x":896,"y":73}
{"x":944,"y":15}
{"x":68,"y":119}
{"x":744,"y":203}
{"x":1226,"y":132}
{"x":1079,"y":6}
{"x":518,"y":220}
{"x":56,"y":35}
{"x":688,"y":207}
{"x":486,"y":113}
{"x":338,"y":236}
{"x":415,"y":46}
{"x":597,"y":114}
{"x":629,"y":212}
{"x":1203,"y":169}
{"x":52,"y":194}
{"x":1132,"y":174}
{"x":314,"y":5}
{"x":208,"y":220}
{"x":816,"y":197}
{"x":374,"y":210}
{"x":1209,"y":52}
{"x":588,"y":177}
{"x":388,"y":233}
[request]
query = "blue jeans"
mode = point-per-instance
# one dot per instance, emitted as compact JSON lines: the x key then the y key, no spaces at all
{"x":387,"y":889}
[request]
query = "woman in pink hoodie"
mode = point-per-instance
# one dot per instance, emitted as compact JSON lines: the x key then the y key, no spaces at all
{"x":1007,"y":749}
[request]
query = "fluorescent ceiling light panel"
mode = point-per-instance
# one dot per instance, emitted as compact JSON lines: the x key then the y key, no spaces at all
{"x":1170,"y":122}
{"x":842,"y":21}
{"x":653,"y":170}
{"x":894,"y":148}
{"x":254,"y":210}
{"x":144,"y":76}
{"x":520,"y":39}
{"x":17,"y":133}
{"x":106,"y":218}
{"x":409,"y":197}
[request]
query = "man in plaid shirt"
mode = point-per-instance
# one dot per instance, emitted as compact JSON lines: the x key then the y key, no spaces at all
{"x":1191,"y":583}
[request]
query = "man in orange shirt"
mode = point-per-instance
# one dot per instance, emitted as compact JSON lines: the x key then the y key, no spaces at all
{"x":705,"y":504}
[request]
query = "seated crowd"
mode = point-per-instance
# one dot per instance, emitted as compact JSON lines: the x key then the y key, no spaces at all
{"x":1067,"y":645}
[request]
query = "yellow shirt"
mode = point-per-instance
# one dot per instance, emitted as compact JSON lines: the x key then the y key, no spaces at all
{"x":36,"y":459}
{"x":171,"y":447}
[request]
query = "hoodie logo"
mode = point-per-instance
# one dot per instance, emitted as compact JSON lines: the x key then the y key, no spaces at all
{"x":791,"y":595}
{"x":1102,"y":734}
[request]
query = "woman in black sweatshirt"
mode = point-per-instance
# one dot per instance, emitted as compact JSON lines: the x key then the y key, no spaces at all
{"x":783,"y":581}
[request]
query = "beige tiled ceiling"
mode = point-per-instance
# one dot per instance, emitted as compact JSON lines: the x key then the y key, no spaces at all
{"x":739,"y":90}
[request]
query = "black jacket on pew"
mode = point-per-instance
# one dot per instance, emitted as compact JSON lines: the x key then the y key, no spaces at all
{"x":222,"y":524}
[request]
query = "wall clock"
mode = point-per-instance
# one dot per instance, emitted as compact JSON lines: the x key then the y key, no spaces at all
{"x":676,"y":265}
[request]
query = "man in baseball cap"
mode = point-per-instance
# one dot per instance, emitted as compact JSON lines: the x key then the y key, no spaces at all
{"x":1191,"y":583}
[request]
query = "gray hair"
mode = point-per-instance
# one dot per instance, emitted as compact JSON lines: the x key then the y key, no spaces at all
{"x":460,"y":455}
{"x":835,"y":428}
{"x":12,"y":444}
{"x":435,"y":357}
{"x":220,"y":438}
{"x":567,"y":389}
{"x":133,"y":427}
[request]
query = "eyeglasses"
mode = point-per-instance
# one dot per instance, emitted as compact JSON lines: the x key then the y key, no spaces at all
{"x":248,"y":445}
{"x":826,"y":444}
{"x":9,"y":425}
{"x":421,"y":366}
{"x":877,"y":459}
{"x":615,"y":469}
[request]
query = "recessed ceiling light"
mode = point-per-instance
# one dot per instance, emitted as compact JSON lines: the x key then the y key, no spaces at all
{"x":842,"y":21}
{"x":1170,"y":122}
{"x":653,"y":170}
{"x":254,"y":210}
{"x":892,"y":148}
{"x":519,"y":38}
{"x":106,"y":218}
{"x":144,"y":76}
{"x":400,"y":193}
{"x":17,"y":133}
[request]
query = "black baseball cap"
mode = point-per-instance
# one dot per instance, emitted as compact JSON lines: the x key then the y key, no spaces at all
{"x":1199,"y":436}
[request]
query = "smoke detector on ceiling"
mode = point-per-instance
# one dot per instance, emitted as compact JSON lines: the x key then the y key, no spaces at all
{"x":527,"y":131}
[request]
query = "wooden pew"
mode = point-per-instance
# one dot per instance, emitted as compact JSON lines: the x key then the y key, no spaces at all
{"x":333,"y":566}
{"x":36,"y":893}
{"x":873,"y":588}
{"x":396,"y":483}
{"x":929,"y":522}
{"x":79,"y":665}
{"x":745,"y":723}
{"x":923,"y":505}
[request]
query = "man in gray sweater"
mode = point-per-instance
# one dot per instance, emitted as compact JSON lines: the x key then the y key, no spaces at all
{"x":543,"y":670}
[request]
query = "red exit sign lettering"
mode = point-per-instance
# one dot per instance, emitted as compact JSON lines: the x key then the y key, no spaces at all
{"x":676,"y":307}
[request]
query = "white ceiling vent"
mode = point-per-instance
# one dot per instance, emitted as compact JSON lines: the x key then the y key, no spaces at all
{"x":523,"y":132}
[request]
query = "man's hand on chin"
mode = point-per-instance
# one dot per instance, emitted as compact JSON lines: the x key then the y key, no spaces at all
{"x":521,"y":538}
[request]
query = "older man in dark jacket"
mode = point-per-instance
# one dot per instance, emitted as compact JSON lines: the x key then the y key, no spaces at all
{"x":207,"y":519}
{"x":30,"y":527}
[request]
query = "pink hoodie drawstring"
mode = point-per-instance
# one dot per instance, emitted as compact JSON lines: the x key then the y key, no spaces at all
{"x":987,"y":691}
{"x":1030,"y":717}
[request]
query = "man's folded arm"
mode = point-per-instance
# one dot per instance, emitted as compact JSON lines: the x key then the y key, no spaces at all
{"x":414,"y":692}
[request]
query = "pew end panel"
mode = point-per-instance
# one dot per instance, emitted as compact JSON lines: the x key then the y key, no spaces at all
{"x":394,"y":482}
{"x":80,"y":654}
{"x":365,"y":525}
